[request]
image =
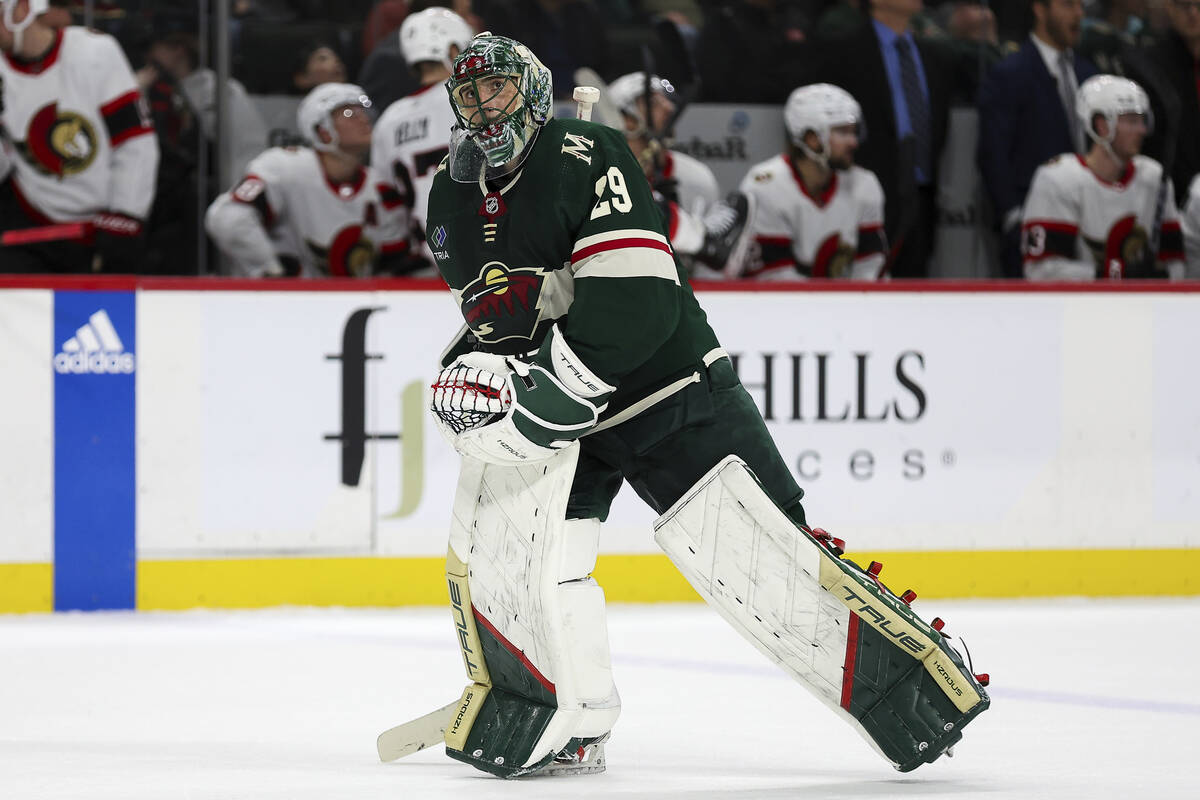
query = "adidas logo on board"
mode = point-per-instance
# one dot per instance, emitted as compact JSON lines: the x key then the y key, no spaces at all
{"x":94,"y":349}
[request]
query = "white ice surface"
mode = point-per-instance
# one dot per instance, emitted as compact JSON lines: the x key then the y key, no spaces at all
{"x":1090,"y":700}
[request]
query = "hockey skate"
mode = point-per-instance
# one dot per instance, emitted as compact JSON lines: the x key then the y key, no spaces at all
{"x":728,"y":233}
{"x":579,"y":757}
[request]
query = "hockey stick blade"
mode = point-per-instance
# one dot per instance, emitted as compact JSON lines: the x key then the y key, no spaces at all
{"x":415,"y":735}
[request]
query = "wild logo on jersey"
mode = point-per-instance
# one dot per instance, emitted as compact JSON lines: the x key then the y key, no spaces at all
{"x":58,"y":142}
{"x":1125,"y":248}
{"x":503,"y":302}
{"x":350,"y":253}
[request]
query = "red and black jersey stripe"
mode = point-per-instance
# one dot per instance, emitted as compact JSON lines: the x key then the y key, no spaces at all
{"x":124,"y":118}
{"x":871,"y":240}
{"x":1170,"y":247}
{"x":1047,"y":239}
{"x":389,"y":196}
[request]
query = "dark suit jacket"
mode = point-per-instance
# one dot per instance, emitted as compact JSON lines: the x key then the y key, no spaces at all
{"x":1022,"y":124}
{"x":1176,"y":103}
{"x":864,"y":75}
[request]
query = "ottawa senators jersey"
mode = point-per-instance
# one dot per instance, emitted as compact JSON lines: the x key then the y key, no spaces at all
{"x":836,"y":235}
{"x":329,"y":228}
{"x":410,"y":140}
{"x":1191,"y":230}
{"x":1078,"y":227}
{"x":572,"y":236}
{"x":695,"y":184}
{"x":76,"y":130}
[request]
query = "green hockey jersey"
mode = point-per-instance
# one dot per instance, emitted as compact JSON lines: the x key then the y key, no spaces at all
{"x":574,"y":237}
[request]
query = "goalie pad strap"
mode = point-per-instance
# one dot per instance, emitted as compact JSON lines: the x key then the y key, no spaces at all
{"x":833,"y":627}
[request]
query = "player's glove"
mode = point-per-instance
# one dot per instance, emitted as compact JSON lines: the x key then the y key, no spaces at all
{"x":504,"y":411}
{"x":118,"y":239}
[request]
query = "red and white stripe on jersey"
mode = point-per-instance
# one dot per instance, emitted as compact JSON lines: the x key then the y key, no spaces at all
{"x":628,"y":253}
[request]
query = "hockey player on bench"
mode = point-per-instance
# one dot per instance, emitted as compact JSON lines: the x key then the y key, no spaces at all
{"x":586,"y":361}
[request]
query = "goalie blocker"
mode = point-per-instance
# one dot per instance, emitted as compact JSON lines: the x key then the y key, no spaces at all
{"x":828,"y":623}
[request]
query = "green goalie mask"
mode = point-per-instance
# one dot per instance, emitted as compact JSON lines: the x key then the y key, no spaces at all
{"x":501,"y":95}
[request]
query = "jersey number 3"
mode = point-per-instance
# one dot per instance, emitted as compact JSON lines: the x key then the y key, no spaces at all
{"x":611,"y":182}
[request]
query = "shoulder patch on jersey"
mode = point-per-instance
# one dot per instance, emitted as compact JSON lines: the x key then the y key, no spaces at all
{"x":577,"y":145}
{"x":763,"y":177}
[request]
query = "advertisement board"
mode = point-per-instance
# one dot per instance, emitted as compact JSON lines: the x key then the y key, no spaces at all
{"x":169,"y":447}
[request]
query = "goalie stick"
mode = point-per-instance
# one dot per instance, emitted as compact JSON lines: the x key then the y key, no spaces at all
{"x":415,"y":735}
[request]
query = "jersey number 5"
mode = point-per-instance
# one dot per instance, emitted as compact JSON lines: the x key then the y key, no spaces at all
{"x":612,"y":181}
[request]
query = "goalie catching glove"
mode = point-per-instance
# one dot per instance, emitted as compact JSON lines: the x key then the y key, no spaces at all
{"x":505,"y":411}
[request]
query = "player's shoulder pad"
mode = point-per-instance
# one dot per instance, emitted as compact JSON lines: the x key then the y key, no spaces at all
{"x":394,"y":113}
{"x":277,"y":163}
{"x":864,"y":184}
{"x":99,"y":49}
{"x":1146,"y":168}
{"x":766,"y":172}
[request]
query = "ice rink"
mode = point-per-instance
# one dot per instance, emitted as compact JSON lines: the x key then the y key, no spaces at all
{"x":1091,"y":699}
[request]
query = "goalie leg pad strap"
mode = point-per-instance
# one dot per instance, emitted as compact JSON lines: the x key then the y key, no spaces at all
{"x":534,"y":639}
{"x":829,"y":624}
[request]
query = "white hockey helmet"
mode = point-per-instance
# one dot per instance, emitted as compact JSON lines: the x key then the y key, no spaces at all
{"x":1109,"y":97}
{"x":427,"y":36}
{"x":317,"y":107}
{"x":626,"y":90}
{"x":36,"y":9}
{"x":819,"y":107}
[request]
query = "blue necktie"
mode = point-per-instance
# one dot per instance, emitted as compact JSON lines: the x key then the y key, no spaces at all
{"x":918,"y":107}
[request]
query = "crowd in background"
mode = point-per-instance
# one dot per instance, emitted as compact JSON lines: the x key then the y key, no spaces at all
{"x":905,"y":64}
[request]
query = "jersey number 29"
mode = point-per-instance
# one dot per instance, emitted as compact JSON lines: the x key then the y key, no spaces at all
{"x":612,"y":181}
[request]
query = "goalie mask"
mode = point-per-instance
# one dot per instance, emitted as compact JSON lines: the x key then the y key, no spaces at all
{"x":428,"y":35}
{"x":1110,"y":97}
{"x":820,"y":108}
{"x":17,"y":27}
{"x":627,"y":90}
{"x":501,"y":95}
{"x":316,"y":112}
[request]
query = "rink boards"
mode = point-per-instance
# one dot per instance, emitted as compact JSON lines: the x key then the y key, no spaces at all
{"x":250,"y":444}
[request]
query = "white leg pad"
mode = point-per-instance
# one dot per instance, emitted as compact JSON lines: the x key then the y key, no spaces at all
{"x":532,"y":595}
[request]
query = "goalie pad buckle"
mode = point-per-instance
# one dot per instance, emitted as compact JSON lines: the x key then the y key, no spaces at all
{"x":831,"y":625}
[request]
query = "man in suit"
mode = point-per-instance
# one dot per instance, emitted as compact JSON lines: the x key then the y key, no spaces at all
{"x":1027,"y":115}
{"x":1174,"y":87}
{"x":904,"y":87}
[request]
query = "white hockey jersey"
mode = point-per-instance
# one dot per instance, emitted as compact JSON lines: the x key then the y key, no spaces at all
{"x":837,"y":235}
{"x":1078,"y":227}
{"x":287,"y":210}
{"x":697,"y":191}
{"x":77,"y":132}
{"x":410,"y":139}
{"x":696,"y":185}
{"x":1191,"y":230}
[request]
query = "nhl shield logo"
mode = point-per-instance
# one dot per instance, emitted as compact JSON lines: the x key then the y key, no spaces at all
{"x":493,"y":207}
